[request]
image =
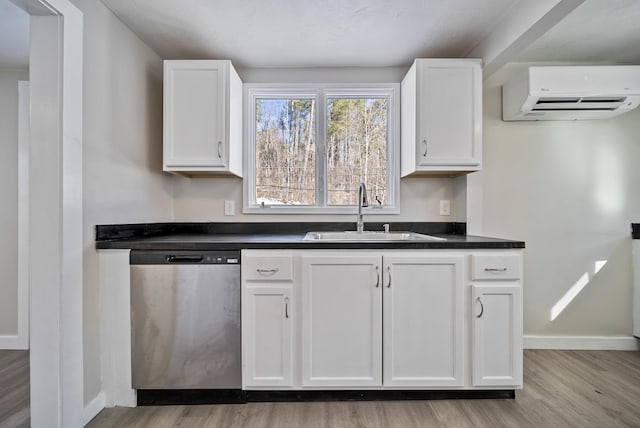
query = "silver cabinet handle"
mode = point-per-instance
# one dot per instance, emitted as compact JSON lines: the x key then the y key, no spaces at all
{"x":481,"y":308}
{"x":389,"y":272}
{"x":267,"y":271}
{"x":377,"y":276}
{"x":425,"y":148}
{"x":286,"y":307}
{"x":219,"y":149}
{"x":495,"y":269}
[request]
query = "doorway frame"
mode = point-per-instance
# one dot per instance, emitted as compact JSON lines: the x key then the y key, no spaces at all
{"x":55,"y":213}
{"x":22,"y":340}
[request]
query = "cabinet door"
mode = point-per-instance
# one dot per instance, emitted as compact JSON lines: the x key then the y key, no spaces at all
{"x":267,"y":336}
{"x":423,"y":321}
{"x":449,"y":114}
{"x":194,"y":114}
{"x":342,"y":320}
{"x":497,"y":335}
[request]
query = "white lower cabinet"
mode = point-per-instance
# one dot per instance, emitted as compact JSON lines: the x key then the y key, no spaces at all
{"x":423,"y":321}
{"x":344,"y":325}
{"x":341,"y":320}
{"x":497,"y":335}
{"x":267,"y":336}
{"x":268,"y":319}
{"x":381,"y":319}
{"x":496,"y":319}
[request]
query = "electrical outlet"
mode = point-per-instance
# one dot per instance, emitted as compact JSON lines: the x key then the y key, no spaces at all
{"x":229,"y":207}
{"x":445,"y":207}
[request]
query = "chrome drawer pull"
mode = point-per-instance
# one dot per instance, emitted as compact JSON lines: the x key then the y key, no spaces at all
{"x":495,"y":269}
{"x":389,"y":270}
{"x":267,"y":271}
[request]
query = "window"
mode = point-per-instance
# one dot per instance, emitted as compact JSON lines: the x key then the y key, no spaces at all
{"x":284,"y":142}
{"x":310,"y":146}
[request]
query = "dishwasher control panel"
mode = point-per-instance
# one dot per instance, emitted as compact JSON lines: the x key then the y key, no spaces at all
{"x":161,"y":257}
{"x":222,"y":260}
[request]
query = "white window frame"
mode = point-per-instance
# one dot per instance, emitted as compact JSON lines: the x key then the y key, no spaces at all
{"x":321,"y":93}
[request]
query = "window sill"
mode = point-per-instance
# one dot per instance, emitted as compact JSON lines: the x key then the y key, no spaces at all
{"x":288,"y":209}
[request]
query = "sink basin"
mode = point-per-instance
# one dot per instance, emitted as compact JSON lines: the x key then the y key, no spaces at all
{"x":369,"y":236}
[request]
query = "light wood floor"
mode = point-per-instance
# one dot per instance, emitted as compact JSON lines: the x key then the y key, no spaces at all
{"x":562,"y":389}
{"x":14,"y":389}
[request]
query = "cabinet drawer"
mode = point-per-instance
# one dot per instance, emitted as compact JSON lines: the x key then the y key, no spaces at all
{"x":495,"y":266}
{"x":267,"y":268}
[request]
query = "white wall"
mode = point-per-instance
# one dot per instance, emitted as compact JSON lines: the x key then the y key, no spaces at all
{"x":202,"y":199}
{"x":9,"y":197}
{"x":570,"y":190}
{"x":123,"y":180}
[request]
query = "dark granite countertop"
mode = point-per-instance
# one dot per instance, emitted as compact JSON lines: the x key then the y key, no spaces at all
{"x":635,"y":230}
{"x":233,"y":236}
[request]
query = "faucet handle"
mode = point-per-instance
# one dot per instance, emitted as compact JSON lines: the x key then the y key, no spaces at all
{"x":386,"y":227}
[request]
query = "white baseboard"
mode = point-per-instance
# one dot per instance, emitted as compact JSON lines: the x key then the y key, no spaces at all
{"x":92,"y":409}
{"x":14,"y":341}
{"x":594,"y":343}
{"x":122,"y":397}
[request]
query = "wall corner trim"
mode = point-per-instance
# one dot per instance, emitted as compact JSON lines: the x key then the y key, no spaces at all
{"x":94,"y":407}
{"x":592,"y":343}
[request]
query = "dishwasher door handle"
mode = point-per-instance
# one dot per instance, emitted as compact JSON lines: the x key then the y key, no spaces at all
{"x":184,"y":259}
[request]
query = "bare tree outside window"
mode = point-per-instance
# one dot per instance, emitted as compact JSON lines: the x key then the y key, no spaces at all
{"x":285,"y":151}
{"x":356,"y":149}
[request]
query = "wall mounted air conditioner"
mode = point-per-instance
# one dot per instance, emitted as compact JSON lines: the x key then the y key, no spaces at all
{"x":571,"y":93}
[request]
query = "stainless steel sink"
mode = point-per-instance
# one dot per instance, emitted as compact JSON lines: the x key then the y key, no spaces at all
{"x":369,"y":236}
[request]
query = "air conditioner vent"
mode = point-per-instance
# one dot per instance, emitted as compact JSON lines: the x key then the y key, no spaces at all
{"x":574,"y":109}
{"x":604,"y":99}
{"x":557,"y":100}
{"x":585,"y":103}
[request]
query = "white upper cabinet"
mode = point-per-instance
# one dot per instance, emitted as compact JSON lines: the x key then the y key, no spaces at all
{"x":202,"y":117}
{"x":441,"y":116}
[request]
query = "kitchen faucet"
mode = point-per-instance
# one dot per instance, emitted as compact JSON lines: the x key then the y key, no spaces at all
{"x":362,"y":202}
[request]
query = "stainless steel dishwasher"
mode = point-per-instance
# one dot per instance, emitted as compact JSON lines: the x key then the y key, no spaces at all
{"x":185,"y":319}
